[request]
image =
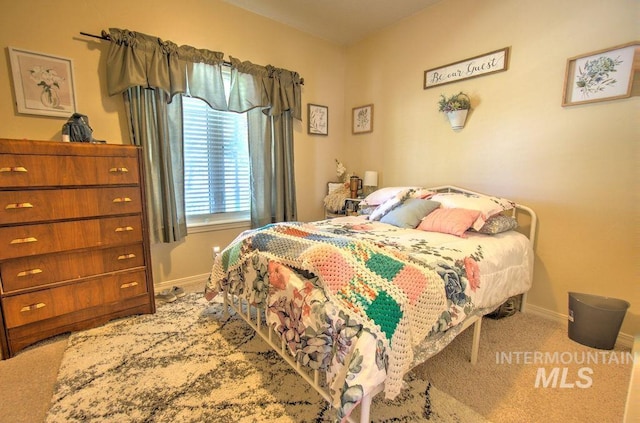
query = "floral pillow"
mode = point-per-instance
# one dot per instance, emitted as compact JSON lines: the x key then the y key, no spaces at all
{"x":383,"y":194}
{"x":487,"y":206}
{"x":498,"y":224}
{"x":391,"y":203}
{"x":452,"y":221}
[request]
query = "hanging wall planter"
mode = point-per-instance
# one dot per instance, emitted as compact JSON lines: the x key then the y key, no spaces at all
{"x":456,"y":108}
{"x":457,"y":118}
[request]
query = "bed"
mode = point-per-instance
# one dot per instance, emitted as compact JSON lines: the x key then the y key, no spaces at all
{"x":353,"y":303}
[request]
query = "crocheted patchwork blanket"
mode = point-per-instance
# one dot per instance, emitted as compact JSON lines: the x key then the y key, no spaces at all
{"x":369,"y":304}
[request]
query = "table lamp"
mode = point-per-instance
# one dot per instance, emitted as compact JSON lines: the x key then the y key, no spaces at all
{"x":369,"y":182}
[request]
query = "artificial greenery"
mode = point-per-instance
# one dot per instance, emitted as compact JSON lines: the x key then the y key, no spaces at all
{"x":458,"y":101}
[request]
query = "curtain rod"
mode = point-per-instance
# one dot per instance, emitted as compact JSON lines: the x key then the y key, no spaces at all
{"x":106,"y":37}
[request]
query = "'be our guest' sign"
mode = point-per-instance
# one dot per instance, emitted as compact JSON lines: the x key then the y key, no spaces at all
{"x":496,"y":61}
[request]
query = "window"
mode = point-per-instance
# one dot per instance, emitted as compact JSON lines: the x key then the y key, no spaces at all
{"x":216,"y":156}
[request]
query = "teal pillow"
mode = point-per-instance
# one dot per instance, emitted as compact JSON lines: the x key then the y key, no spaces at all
{"x":409,"y":214}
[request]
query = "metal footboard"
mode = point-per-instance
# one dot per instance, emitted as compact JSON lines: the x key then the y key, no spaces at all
{"x":256,"y":318}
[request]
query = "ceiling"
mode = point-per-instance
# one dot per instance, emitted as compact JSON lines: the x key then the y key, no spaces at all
{"x":340,"y":21}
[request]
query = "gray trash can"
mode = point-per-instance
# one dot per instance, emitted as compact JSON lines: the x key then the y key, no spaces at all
{"x":595,"y":321}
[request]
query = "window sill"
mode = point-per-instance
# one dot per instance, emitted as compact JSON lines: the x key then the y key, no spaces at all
{"x":221,"y":225}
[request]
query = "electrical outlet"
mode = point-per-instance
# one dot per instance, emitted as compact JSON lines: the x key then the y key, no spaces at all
{"x":215,"y":251}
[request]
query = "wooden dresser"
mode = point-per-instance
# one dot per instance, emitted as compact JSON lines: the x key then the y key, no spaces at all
{"x":74,"y":246}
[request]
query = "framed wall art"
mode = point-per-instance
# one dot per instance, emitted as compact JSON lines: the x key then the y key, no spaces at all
{"x":485,"y":64}
{"x":43,"y":83}
{"x":318,"y":117}
{"x":362,"y":119}
{"x":600,"y":75}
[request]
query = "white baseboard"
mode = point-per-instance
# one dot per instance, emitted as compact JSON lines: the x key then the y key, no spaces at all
{"x":624,"y":339}
{"x":183,"y":282}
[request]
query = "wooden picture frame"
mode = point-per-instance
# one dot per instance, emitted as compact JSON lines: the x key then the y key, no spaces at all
{"x":484,"y":64}
{"x":317,"y":119}
{"x":43,"y":83}
{"x":601,"y":75}
{"x":362,"y":119}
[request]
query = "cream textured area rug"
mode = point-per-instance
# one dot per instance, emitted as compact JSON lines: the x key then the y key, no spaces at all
{"x":187,"y":363}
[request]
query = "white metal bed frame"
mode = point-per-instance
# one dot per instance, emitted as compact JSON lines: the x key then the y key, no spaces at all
{"x":256,"y":317}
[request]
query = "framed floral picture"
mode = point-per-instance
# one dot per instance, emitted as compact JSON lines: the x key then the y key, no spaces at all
{"x":600,"y":75}
{"x":318,"y":117}
{"x":362,"y":119}
{"x":43,"y":83}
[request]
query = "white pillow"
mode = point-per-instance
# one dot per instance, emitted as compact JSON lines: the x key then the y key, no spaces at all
{"x":383,"y":194}
{"x":486,"y":205}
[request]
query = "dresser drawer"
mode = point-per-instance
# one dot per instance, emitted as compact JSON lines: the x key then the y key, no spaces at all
{"x":36,"y":306}
{"x":35,"y":271}
{"x":18,"y":170}
{"x":45,"y":204}
{"x":29,"y":240}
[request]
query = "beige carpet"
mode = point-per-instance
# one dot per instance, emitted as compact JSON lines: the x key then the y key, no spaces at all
{"x":500,"y":392}
{"x":506,"y":393}
{"x":27,"y":381}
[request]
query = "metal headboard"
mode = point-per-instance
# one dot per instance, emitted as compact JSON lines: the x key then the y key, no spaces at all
{"x":527,"y":228}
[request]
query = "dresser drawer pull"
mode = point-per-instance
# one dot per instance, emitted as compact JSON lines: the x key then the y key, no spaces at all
{"x":124,"y":229}
{"x":29,"y":272}
{"x":18,"y":206}
{"x":23,"y":240}
{"x":122,"y":200}
{"x":126,"y":256}
{"x":32,"y":307}
{"x":118,"y":170}
{"x":13,"y":169}
{"x":128,"y":285}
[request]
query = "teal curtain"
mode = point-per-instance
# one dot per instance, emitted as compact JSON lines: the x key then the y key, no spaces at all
{"x":157,"y":127}
{"x":152,"y":74}
{"x":271,"y":149}
{"x":273,"y":188}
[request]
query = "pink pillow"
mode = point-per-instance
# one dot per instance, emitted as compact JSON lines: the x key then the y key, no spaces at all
{"x":488,"y":206}
{"x":449,"y":221}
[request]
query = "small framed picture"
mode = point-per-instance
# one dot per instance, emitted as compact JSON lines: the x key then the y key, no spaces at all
{"x":362,"y":119}
{"x":43,"y":83}
{"x":600,"y":75}
{"x":318,"y":117}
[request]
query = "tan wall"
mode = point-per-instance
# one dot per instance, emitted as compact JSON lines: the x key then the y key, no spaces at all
{"x":576,"y":166}
{"x":54,"y":28}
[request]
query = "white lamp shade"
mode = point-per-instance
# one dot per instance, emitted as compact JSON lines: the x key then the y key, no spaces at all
{"x":370,"y":178}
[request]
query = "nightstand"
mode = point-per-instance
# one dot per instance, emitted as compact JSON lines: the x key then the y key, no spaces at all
{"x":351,"y":208}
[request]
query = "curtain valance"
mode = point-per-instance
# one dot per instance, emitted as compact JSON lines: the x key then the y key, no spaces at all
{"x":140,"y":60}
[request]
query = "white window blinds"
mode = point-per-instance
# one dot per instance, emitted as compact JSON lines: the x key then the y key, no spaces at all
{"x":216,"y":164}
